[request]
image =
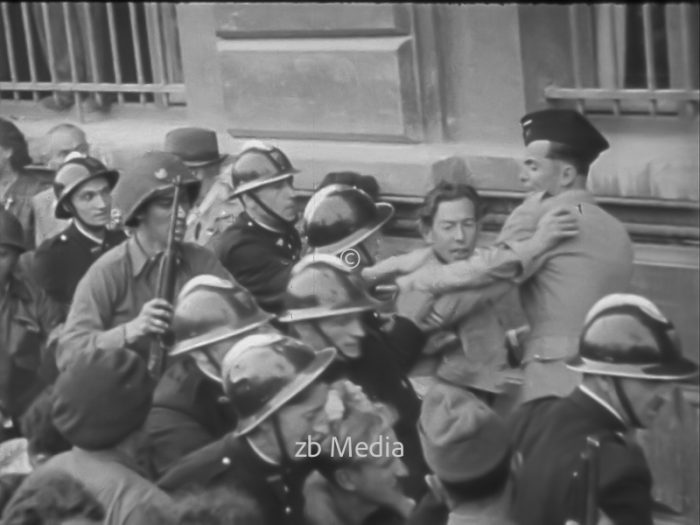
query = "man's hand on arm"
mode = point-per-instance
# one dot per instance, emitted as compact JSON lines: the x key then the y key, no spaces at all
{"x":154,"y":318}
{"x":554,"y":227}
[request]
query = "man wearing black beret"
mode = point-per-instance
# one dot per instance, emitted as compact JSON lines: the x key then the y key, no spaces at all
{"x":558,"y":287}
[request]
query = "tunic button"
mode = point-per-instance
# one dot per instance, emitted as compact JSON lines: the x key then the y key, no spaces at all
{"x":226,"y":461}
{"x":285,"y":489}
{"x":288,"y":510}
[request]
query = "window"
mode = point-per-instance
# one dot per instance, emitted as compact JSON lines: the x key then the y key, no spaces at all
{"x":633,"y":58}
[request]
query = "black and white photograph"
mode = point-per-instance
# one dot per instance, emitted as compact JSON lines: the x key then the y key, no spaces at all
{"x":296,"y":263}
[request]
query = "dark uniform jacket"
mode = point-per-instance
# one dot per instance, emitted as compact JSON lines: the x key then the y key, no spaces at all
{"x":27,"y":316}
{"x":232,"y":463}
{"x":186,"y":414}
{"x":381,"y":372}
{"x":550,"y":434}
{"x":61,"y":261}
{"x":260,"y":259}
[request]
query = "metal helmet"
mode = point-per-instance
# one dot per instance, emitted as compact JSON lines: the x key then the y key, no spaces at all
{"x":210,"y":310}
{"x":76,"y":170}
{"x":258,"y":165}
{"x":11,"y":233}
{"x":262,"y":372}
{"x":339,"y":216}
{"x":146,"y":176}
{"x":322,"y":286}
{"x":626,"y":335}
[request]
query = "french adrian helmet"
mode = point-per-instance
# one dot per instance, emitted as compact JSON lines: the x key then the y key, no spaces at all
{"x":210,"y":310}
{"x":263,"y":372}
{"x":147,"y":176}
{"x":76,"y":170}
{"x":626,"y":335}
{"x":259,"y":165}
{"x":322,"y":286}
{"x":338,"y":217}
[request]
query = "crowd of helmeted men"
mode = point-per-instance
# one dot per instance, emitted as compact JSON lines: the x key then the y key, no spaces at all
{"x":307,"y":376}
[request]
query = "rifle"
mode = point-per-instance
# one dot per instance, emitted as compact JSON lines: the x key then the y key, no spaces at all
{"x":160,"y":346}
{"x":585,"y":511}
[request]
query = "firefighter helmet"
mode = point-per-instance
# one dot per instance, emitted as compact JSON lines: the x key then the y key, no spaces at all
{"x":76,"y":170}
{"x":262,"y":372}
{"x":11,"y":233}
{"x":626,"y":335}
{"x":258,"y":165}
{"x":339,"y":216}
{"x":209,"y":310}
{"x":147,"y":176}
{"x":322,"y":286}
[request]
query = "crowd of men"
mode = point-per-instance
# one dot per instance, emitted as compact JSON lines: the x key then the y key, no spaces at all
{"x":306,"y":381}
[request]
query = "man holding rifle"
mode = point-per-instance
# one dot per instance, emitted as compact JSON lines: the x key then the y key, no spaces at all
{"x":576,"y":457}
{"x":116,"y":304}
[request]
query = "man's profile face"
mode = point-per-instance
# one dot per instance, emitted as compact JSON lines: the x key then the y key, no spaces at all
{"x":64,"y":141}
{"x":454,"y":230}
{"x":647,"y":397}
{"x":539,"y":172}
{"x":279,"y":197}
{"x":299,"y":419}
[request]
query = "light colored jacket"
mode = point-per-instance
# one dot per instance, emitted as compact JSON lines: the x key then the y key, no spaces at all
{"x":480,"y":360}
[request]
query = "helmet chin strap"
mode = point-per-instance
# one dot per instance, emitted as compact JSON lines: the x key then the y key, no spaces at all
{"x":97,"y":230}
{"x":268,"y":210}
{"x":626,"y":404}
{"x":327,"y":340}
{"x":285,"y":461}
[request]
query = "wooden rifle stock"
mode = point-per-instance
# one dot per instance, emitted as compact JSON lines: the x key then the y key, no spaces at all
{"x":160,"y":346}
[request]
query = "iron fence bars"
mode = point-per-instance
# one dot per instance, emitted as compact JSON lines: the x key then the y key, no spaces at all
{"x":668,"y":38}
{"x":64,"y":49}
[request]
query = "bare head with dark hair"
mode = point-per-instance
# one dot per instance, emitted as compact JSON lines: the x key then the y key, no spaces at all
{"x":367,"y":183}
{"x":449,"y":220}
{"x":14,"y":152}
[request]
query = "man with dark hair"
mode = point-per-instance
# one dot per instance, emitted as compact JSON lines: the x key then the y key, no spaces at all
{"x":630,"y":358}
{"x":367,"y":183}
{"x":466,"y":446}
{"x":262,"y":245}
{"x":559,"y":286}
{"x":115,"y":304}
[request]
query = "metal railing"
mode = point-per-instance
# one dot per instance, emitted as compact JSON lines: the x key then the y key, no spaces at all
{"x":607,"y":49}
{"x":123,"y":52}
